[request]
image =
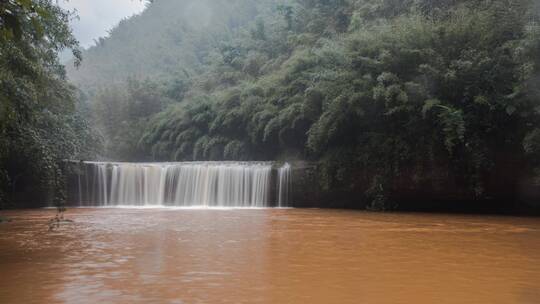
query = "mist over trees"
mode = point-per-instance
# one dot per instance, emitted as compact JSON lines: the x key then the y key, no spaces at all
{"x":395,"y":101}
{"x":391,"y":98}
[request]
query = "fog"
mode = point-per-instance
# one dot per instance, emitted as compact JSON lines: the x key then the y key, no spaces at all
{"x":97,"y":17}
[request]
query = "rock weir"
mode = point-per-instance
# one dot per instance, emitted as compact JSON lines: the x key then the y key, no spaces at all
{"x":183,"y":184}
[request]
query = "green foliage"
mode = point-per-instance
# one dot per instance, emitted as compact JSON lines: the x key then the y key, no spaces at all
{"x":40,"y":122}
{"x":121,"y":113}
{"x":170,"y":38}
{"x":382,"y":93}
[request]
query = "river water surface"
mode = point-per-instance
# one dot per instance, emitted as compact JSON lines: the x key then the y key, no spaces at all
{"x":267,"y":256}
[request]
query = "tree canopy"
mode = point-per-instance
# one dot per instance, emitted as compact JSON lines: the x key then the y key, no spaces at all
{"x":394,"y":100}
{"x":41,"y":121}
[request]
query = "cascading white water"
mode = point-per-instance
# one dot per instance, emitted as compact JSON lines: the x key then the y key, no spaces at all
{"x":284,"y":184}
{"x":188,"y":184}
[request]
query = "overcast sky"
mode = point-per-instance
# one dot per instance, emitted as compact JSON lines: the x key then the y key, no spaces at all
{"x":99,"y":16}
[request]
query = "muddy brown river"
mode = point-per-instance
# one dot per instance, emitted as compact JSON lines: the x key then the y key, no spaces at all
{"x":267,"y":256}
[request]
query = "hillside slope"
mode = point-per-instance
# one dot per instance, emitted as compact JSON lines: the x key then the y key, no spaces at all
{"x":397,"y":101}
{"x":170,"y":37}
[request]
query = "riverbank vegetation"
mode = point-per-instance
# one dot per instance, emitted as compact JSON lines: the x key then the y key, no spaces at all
{"x":395,"y":101}
{"x":41,"y":120}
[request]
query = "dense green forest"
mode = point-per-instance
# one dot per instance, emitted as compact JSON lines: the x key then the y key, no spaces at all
{"x":42,"y":121}
{"x":394,"y":100}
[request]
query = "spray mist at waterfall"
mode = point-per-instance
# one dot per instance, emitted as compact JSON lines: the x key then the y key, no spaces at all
{"x":185,"y":184}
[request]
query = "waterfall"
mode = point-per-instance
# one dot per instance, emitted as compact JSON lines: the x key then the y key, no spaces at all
{"x":185,"y":184}
{"x":284,"y":184}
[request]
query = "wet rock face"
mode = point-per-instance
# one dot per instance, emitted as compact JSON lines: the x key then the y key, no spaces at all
{"x":440,"y":193}
{"x":307,"y":191}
